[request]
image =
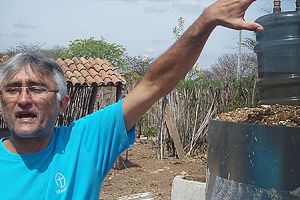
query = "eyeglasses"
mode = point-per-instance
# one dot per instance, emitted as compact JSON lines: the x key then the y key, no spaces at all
{"x":34,"y":91}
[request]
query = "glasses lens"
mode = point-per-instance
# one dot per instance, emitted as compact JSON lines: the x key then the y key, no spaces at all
{"x":33,"y":91}
{"x":11,"y":91}
{"x":37,"y":89}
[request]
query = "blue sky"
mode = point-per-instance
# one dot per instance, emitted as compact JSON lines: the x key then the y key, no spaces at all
{"x":143,"y":27}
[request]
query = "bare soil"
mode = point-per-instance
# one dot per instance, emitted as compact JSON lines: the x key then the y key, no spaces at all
{"x":145,"y":173}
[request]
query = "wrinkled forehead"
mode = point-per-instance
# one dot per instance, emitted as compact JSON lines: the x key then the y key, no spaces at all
{"x":27,"y":74}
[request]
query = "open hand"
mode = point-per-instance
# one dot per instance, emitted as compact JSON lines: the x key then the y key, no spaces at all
{"x":230,"y":13}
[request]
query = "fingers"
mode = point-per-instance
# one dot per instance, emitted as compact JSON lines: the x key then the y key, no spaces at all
{"x":252,"y":26}
{"x":230,"y":13}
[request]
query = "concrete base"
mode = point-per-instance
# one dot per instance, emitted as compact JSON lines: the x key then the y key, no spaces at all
{"x":187,"y":189}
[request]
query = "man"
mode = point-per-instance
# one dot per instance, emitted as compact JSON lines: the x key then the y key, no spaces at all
{"x":39,"y":161}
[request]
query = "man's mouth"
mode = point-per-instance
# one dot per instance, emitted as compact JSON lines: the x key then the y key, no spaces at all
{"x":26,"y":115}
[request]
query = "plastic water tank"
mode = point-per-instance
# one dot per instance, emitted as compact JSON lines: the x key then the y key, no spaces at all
{"x":278,"y":55}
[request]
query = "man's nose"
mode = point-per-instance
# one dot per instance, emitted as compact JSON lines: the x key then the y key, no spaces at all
{"x":24,"y":97}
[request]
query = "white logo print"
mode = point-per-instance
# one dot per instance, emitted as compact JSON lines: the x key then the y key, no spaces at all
{"x":60,"y":181}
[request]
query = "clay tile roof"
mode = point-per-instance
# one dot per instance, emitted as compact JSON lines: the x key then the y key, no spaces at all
{"x":74,"y":81}
{"x":69,"y":74}
{"x":98,"y":79}
{"x":83,"y":60}
{"x":75,"y":60}
{"x":69,"y":62}
{"x":60,"y":61}
{"x":81,"y":80}
{"x":90,"y":72}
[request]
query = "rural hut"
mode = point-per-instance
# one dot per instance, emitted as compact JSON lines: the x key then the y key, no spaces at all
{"x":92,"y":84}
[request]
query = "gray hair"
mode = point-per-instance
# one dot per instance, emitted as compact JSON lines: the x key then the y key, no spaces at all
{"x":39,"y":64}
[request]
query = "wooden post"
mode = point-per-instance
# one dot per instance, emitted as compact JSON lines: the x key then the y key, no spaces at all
{"x":93,"y":99}
{"x":160,"y":147}
{"x":120,"y":162}
{"x":119,"y":92}
{"x":174,"y":133}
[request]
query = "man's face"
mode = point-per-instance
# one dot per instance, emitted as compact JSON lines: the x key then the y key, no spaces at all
{"x":27,"y":115}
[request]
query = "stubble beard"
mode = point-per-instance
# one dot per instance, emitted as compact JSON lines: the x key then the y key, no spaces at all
{"x":41,"y":132}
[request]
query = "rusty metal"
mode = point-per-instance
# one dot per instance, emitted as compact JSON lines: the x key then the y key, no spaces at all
{"x":277,"y":6}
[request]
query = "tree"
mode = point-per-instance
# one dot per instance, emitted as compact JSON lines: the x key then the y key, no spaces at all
{"x":178,"y":30}
{"x":225,"y":69}
{"x":53,"y":52}
{"x":93,"y":48}
{"x":249,"y":43}
{"x":24,"y":48}
{"x":136,"y":67}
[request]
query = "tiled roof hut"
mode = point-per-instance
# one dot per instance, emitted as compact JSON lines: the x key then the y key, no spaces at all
{"x":91,"y":85}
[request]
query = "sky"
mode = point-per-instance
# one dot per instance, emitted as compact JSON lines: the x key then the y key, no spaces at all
{"x":143,"y":27}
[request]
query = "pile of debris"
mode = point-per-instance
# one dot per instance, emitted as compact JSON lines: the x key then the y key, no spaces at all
{"x":278,"y":115}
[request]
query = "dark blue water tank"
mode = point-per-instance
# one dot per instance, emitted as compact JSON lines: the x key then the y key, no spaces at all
{"x":278,"y":55}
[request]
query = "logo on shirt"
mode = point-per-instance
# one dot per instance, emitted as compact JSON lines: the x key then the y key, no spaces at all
{"x":60,"y":181}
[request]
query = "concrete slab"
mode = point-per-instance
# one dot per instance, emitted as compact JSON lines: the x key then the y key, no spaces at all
{"x":183,"y":189}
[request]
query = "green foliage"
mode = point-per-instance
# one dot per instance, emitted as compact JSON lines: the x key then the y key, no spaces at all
{"x":135,"y":69}
{"x":54,"y":52}
{"x":192,"y":84}
{"x":249,"y":43}
{"x":242,"y":94}
{"x":93,"y":48}
{"x":178,"y":30}
{"x":150,"y":132}
{"x":147,"y":131}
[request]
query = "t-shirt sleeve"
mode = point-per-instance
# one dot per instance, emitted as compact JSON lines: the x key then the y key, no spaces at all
{"x":104,"y":136}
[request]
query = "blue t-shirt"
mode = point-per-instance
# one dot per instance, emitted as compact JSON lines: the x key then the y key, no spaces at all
{"x":74,"y":164}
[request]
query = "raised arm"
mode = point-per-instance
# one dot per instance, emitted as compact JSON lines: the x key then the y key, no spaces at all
{"x":172,"y":66}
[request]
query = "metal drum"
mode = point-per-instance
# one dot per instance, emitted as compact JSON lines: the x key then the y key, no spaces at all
{"x":252,"y":162}
{"x":278,"y":56}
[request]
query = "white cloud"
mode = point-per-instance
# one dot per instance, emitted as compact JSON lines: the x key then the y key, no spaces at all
{"x":20,"y":35}
{"x":24,"y":26}
{"x":185,"y":6}
{"x":157,"y":9}
{"x":149,"y":52}
{"x":195,"y":6}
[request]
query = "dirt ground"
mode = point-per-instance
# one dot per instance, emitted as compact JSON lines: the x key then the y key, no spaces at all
{"x":144,"y":173}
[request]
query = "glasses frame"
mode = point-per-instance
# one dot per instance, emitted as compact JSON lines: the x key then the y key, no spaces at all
{"x":29,"y":89}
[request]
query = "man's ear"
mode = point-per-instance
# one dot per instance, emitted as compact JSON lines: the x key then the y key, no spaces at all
{"x":63,"y":104}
